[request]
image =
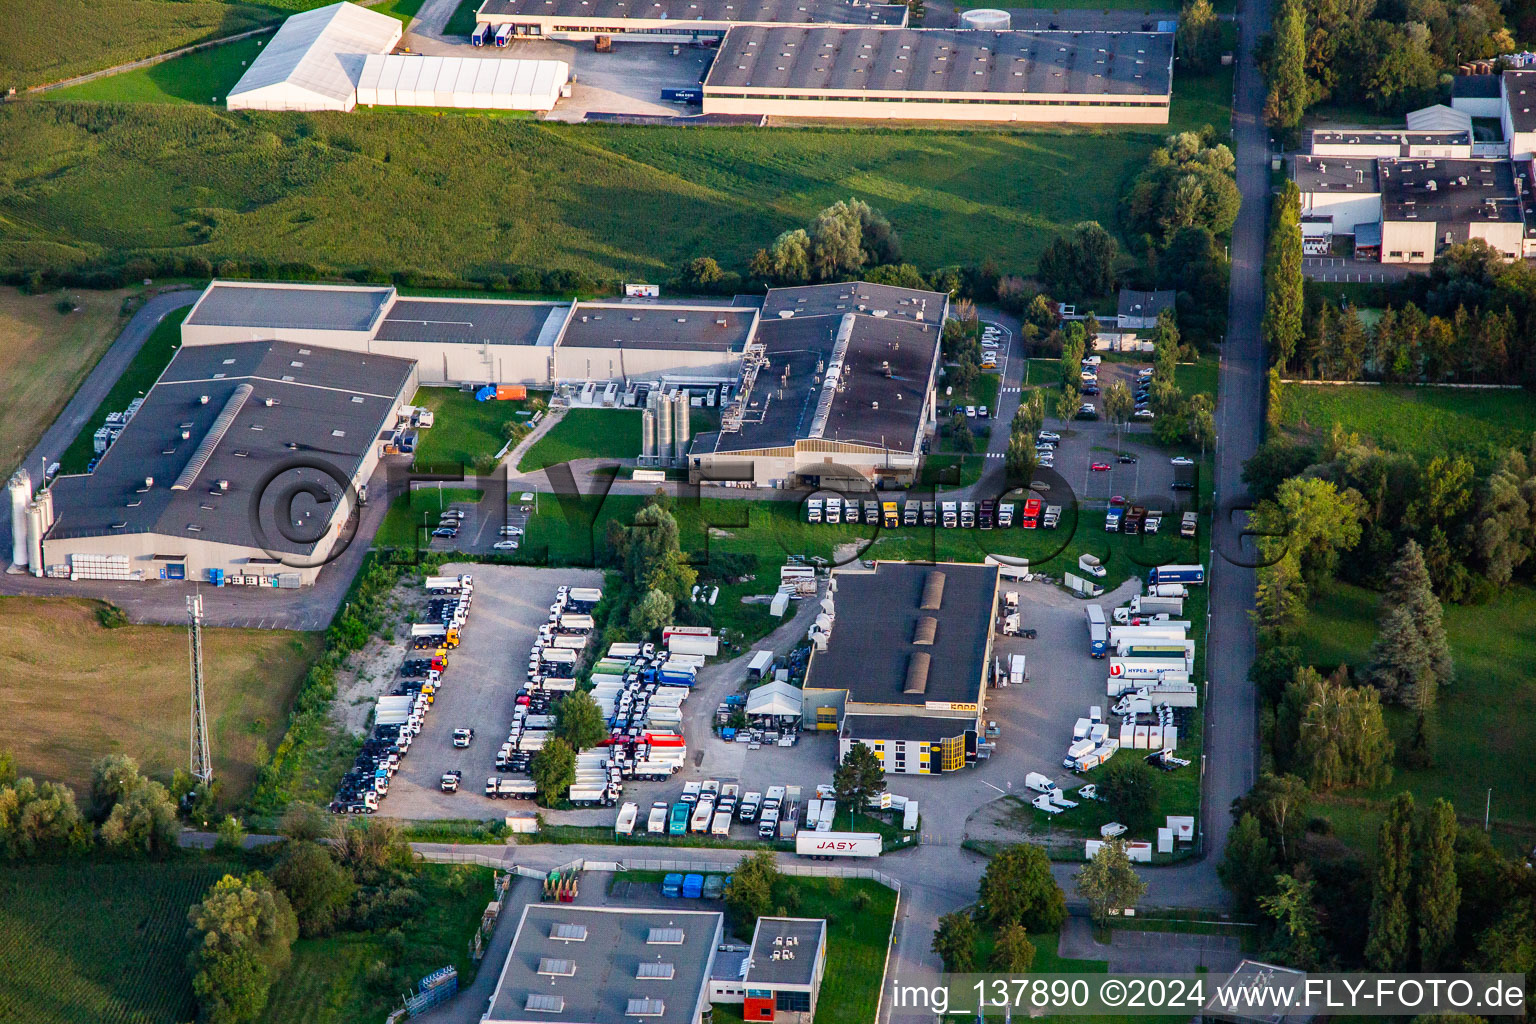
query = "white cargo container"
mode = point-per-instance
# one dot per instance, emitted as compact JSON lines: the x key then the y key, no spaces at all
{"x":679,"y":643}
{"x":449,"y":584}
{"x":909,"y":819}
{"x":837,"y":844}
{"x":1158,"y":605}
{"x":1016,"y":667}
{"x":625,"y":825}
{"x":761,"y":660}
{"x":721,"y":826}
{"x":1146,"y":668}
{"x":568,"y":643}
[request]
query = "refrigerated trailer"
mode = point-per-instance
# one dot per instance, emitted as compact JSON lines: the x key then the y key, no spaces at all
{"x":837,"y":844}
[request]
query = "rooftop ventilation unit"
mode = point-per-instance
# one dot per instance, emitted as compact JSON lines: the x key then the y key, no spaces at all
{"x":933,"y":591}
{"x":917,"y":673}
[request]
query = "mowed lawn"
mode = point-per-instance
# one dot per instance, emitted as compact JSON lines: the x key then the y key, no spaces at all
{"x":1424,"y":422}
{"x":462,"y":429}
{"x":410,"y":513}
{"x":44,"y":355}
{"x":100,"y":941}
{"x":1485,"y":725}
{"x":99,"y":182}
{"x":598,"y":434}
{"x":142,"y":372}
{"x":71,"y":691}
{"x":204,"y":76}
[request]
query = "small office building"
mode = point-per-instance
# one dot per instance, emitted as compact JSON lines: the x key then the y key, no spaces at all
{"x":1428,"y":205}
{"x":942,"y":74}
{"x":903,"y":667}
{"x":607,"y":965}
{"x":674,"y":21}
{"x":779,"y":978}
{"x":1138,"y":310}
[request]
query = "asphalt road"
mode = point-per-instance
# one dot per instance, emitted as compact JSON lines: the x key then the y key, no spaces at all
{"x":1231,"y":715}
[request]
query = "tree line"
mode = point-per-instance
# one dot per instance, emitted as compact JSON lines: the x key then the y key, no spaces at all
{"x":1386,"y":54}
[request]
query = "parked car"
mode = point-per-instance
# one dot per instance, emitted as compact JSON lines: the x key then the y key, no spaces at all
{"x":1090,"y":389}
{"x":510,"y":531}
{"x":1100,"y":467}
{"x":981,"y":412}
{"x":1117,"y":501}
{"x":505,"y":545}
{"x":1143,"y":414}
{"x":1182,"y":460}
{"x":1127,"y":459}
{"x":1048,"y":435}
{"x":445,"y":531}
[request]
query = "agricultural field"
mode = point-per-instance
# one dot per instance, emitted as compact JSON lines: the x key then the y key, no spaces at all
{"x":343,"y":979}
{"x":98,"y":183}
{"x":100,"y":941}
{"x":44,"y":355}
{"x":1484,"y":725}
{"x":146,"y":368}
{"x":1425,"y":422}
{"x":71,"y":691}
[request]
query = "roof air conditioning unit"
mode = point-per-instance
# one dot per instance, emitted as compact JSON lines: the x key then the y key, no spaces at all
{"x":268,"y":402}
{"x":186,"y":435}
{"x":149,"y":482}
{"x":202,"y":399}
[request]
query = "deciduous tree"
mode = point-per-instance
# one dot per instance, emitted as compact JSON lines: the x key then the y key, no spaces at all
{"x":1439,"y":896}
{"x":1013,"y":953}
{"x":954,"y":940}
{"x":553,"y":769}
{"x":1019,"y":889}
{"x":1108,"y":883}
{"x":1388,"y":947}
{"x":579,"y":721}
{"x":242,"y":934}
{"x":1294,"y":910}
{"x":859,"y":777}
{"x":1282,"y":278}
{"x":1247,"y":867}
{"x":317,"y":887}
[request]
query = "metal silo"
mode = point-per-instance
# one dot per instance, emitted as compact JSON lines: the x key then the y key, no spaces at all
{"x":664,"y":430}
{"x":680,"y":425}
{"x":20,"y":490}
{"x":647,"y":433}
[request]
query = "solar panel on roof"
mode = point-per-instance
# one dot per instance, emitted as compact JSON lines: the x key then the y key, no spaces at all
{"x":543,"y":1003}
{"x":661,"y":972}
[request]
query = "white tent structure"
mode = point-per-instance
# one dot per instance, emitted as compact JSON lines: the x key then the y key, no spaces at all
{"x":411,"y":80}
{"x":778,"y":699}
{"x":1439,"y":118}
{"x":314,"y":60}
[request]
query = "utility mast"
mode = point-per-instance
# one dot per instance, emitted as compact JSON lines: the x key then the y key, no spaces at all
{"x":201,"y":760}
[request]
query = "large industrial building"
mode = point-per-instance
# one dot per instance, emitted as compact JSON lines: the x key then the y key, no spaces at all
{"x":838,"y":386}
{"x":244,"y":461}
{"x":674,"y":21}
{"x":902,"y":665}
{"x":335,"y":57}
{"x":606,"y":965}
{"x":1409,"y":209}
{"x":942,"y":74}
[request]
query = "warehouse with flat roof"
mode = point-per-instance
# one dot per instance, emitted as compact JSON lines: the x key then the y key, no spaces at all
{"x":837,"y":388}
{"x":632,"y":341}
{"x":903,"y":667}
{"x":606,"y":965}
{"x":245,"y":460}
{"x":675,"y":21}
{"x":942,"y":74}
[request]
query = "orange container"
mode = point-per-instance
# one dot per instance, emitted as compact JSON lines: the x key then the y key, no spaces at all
{"x":510,"y":392}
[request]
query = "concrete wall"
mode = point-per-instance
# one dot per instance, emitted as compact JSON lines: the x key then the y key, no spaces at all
{"x":892,"y":109}
{"x":1507,"y":238}
{"x":207,"y":334}
{"x":1346,"y":209}
{"x":576,"y":363}
{"x":1407,"y":241}
{"x":442,"y":363}
{"x":1478,"y":106}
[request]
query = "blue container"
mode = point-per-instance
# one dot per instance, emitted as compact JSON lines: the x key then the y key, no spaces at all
{"x":693,"y":887}
{"x":672,"y":885}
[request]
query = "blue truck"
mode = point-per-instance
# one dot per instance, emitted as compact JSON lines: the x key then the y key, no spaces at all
{"x":1193,"y":575}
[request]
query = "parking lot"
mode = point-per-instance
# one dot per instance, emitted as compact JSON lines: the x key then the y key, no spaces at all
{"x":480,"y":528}
{"x":478,"y":692}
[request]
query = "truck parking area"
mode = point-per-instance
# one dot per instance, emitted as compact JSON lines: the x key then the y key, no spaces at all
{"x":479,"y":692}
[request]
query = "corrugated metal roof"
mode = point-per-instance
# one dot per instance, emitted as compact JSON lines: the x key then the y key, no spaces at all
{"x":319,"y":52}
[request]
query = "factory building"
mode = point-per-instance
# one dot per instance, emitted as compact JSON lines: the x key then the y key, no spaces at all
{"x":674,"y":21}
{"x":1360,"y":142}
{"x":619,"y":341}
{"x":314,"y":60}
{"x":899,"y":663}
{"x":838,"y":387}
{"x":607,"y":965}
{"x":244,"y":462}
{"x":942,"y":74}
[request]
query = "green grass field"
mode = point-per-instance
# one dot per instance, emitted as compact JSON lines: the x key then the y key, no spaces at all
{"x":462,"y":21}
{"x":100,"y":182}
{"x":1485,"y":724}
{"x":205,"y":76}
{"x":856,"y":945}
{"x":100,"y":941}
{"x":408,"y":513}
{"x":1424,"y":422}
{"x":146,"y":368}
{"x":339,"y":980}
{"x":463,"y":429}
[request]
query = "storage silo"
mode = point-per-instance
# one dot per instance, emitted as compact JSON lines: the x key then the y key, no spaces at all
{"x":647,"y":433}
{"x":986,"y":18}
{"x":680,"y":426}
{"x":20,"y":490}
{"x":664,"y":430}
{"x":36,"y":527}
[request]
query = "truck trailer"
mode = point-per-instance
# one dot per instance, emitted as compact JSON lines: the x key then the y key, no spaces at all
{"x":827,"y":845}
{"x":1191,"y":575}
{"x":1098,"y":634}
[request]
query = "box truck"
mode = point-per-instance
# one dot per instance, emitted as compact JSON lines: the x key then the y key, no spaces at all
{"x":1145,"y":668}
{"x":1016,"y":674}
{"x":837,"y":844}
{"x":449,"y":584}
{"x":1098,"y":634}
{"x":1157,"y":605}
{"x":1192,"y":575}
